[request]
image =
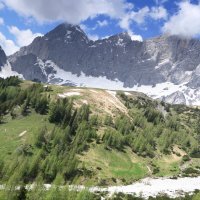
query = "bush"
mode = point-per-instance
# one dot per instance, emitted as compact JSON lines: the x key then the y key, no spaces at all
{"x":186,"y":158}
{"x":190,"y":171}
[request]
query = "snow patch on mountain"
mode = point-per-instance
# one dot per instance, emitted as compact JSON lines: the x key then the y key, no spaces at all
{"x":167,"y":91}
{"x":62,"y":77}
{"x":6,"y":71}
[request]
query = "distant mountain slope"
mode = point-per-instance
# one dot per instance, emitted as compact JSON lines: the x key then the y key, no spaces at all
{"x":65,"y":55}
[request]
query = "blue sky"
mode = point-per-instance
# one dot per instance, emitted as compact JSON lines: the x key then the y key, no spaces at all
{"x":21,"y":20}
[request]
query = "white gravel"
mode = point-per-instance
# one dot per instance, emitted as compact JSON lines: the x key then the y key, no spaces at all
{"x":153,"y":187}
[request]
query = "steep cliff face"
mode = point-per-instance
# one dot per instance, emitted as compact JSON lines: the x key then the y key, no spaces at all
{"x":3,"y":58}
{"x":156,"y":66}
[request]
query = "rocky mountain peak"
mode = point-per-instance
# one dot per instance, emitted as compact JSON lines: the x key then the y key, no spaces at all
{"x":67,"y":32}
{"x":3,"y":58}
{"x":120,"y":38}
{"x":159,"y":67}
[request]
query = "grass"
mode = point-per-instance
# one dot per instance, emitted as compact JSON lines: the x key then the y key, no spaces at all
{"x":10,"y":131}
{"x":168,"y":169}
{"x":127,"y":166}
{"x":115,"y":164}
{"x":168,"y":165}
{"x":135,"y":170}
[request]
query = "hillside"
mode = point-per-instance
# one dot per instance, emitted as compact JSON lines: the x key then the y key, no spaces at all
{"x":93,"y":136}
{"x":147,"y":136}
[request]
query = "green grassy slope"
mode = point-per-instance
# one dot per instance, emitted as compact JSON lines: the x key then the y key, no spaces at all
{"x":103,"y":138}
{"x":10,"y":131}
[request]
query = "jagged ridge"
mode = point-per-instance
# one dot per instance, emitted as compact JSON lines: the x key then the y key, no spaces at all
{"x":121,"y":62}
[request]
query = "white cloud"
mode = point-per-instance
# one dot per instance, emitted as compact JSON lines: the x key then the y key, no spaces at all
{"x":93,"y":37}
{"x":125,"y":24}
{"x":23,"y":37}
{"x":8,"y":45}
{"x":186,"y":22}
{"x":160,"y":2}
{"x":98,"y":24}
{"x":69,"y":11}
{"x":84,"y":27}
{"x":136,"y":37}
{"x":72,"y":12}
{"x":1,"y":21}
{"x":139,"y":17}
{"x":87,"y":30}
{"x":158,"y":13}
{"x":102,"y":23}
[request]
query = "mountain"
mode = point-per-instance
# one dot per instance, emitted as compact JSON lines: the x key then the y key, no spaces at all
{"x":160,"y":67}
{"x":3,"y":58}
{"x":5,"y":67}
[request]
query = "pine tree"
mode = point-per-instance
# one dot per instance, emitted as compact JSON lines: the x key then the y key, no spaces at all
{"x":24,"y":108}
{"x":1,"y":118}
{"x":40,"y":137}
{"x":108,"y":120}
{"x":41,"y":105}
